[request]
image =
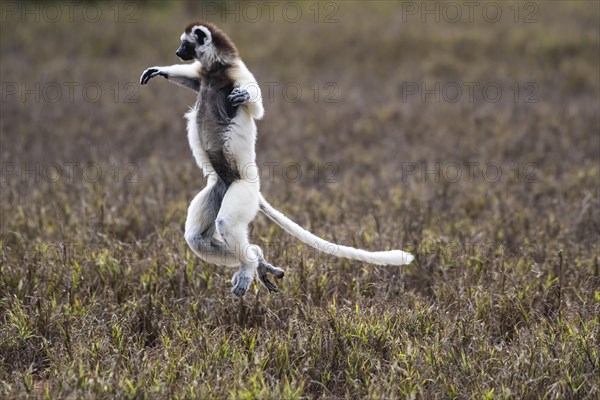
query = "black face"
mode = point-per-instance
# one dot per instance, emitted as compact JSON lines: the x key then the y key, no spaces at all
{"x":186,"y":51}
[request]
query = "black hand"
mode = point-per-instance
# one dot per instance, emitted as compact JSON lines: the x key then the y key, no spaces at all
{"x":151,"y":73}
{"x":238,"y":96}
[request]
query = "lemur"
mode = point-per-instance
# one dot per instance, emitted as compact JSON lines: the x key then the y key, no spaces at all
{"x":222,"y":135}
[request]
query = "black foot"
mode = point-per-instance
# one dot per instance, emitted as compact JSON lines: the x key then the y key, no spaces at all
{"x":265,"y":268}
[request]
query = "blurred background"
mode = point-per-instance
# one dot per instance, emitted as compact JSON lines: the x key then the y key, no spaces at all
{"x":467,"y":134}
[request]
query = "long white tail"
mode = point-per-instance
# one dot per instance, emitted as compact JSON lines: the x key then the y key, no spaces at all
{"x":392,"y":257}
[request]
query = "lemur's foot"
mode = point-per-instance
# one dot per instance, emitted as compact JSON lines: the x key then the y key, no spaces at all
{"x":265,"y":268}
{"x":151,"y":73}
{"x":277,"y":272}
{"x":241,"y":283}
{"x":238,"y":96}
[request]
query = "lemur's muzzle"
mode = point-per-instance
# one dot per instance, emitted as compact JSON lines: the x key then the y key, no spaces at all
{"x":184,"y":53}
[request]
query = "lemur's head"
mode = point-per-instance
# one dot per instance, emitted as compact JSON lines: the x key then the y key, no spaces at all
{"x":206,"y":43}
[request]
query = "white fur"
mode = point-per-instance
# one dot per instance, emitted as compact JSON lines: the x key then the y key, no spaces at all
{"x":244,"y":79}
{"x":189,"y":71}
{"x":392,"y":257}
{"x":239,"y":208}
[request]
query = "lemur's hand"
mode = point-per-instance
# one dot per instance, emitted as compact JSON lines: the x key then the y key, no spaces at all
{"x":151,"y":73}
{"x":238,"y":96}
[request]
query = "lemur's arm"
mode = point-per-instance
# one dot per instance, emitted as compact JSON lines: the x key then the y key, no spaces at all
{"x":185,"y":75}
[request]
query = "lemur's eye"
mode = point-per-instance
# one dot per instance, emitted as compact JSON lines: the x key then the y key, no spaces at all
{"x":200,"y":35}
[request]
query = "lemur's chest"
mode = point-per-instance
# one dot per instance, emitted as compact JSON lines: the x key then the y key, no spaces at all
{"x":213,"y":100}
{"x":215,"y":87}
{"x":215,"y":113}
{"x":214,"y":110}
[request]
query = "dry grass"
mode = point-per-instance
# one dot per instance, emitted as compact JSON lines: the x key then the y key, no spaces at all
{"x":100,"y":297}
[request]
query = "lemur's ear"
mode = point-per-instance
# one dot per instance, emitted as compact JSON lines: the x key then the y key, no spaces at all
{"x":200,"y":35}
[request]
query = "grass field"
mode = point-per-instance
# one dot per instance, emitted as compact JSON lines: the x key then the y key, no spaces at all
{"x":469,"y":137}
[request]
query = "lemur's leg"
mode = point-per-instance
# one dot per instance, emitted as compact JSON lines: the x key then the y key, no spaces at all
{"x":241,"y":143}
{"x":186,"y":75}
{"x":238,"y":209}
{"x":200,"y":225}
